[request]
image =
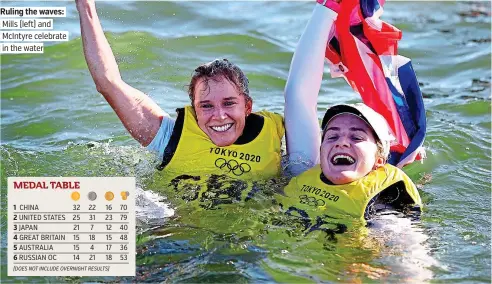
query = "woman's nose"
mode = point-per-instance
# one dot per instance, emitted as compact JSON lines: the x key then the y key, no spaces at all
{"x":220,"y":113}
{"x":343,"y":141}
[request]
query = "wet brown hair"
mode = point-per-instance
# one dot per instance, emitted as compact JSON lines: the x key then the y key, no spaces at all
{"x":217,"y":70}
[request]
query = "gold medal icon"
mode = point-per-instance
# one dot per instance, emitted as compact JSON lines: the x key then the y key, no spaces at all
{"x":75,"y":195}
{"x":109,"y":196}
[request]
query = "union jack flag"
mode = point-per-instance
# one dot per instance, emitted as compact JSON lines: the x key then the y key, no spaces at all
{"x":363,"y":50}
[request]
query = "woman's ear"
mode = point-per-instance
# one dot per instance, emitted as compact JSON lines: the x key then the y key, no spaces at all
{"x":379,"y":163}
{"x":249,"y":107}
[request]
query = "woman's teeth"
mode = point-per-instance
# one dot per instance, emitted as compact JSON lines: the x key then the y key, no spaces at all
{"x":343,"y":159}
{"x":222,"y":128}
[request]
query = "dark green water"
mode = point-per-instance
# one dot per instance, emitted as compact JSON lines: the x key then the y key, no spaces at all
{"x":54,"y":123}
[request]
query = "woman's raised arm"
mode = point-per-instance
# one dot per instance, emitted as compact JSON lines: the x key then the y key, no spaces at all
{"x":301,"y":91}
{"x":139,"y":113}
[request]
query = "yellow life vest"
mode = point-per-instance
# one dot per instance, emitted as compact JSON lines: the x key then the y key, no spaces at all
{"x":197,"y":169}
{"x":310,"y":196}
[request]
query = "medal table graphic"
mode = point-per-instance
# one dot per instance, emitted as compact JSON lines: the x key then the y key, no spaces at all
{"x":74,"y":226}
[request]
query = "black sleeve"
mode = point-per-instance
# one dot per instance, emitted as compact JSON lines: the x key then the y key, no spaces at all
{"x":172,"y":145}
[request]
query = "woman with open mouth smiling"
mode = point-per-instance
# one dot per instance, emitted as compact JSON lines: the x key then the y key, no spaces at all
{"x":351,"y":148}
{"x":348,"y":172}
{"x":217,"y":135}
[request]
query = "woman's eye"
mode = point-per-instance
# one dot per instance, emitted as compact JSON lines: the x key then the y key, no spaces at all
{"x":206,"y":106}
{"x":357,"y":138}
{"x":331,"y":137}
{"x":229,"y":103}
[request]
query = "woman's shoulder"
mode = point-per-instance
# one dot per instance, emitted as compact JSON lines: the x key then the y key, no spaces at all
{"x":270,"y":114}
{"x":275,"y":118}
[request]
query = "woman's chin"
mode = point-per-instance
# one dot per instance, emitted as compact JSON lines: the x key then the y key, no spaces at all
{"x":223,"y":141}
{"x":340,"y":177}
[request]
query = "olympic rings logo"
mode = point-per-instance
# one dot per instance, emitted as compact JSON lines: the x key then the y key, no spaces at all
{"x":233,"y":166}
{"x":311,"y":201}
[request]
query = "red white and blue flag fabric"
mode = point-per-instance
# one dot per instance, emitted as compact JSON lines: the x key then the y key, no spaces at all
{"x":363,"y":50}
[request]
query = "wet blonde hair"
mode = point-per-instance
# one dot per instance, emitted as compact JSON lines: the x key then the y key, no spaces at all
{"x":218,"y":70}
{"x":382,"y":151}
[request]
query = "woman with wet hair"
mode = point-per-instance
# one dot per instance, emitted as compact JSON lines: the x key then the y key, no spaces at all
{"x":218,"y":134}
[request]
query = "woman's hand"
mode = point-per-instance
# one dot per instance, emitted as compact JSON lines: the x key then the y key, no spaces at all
{"x":333,"y":5}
